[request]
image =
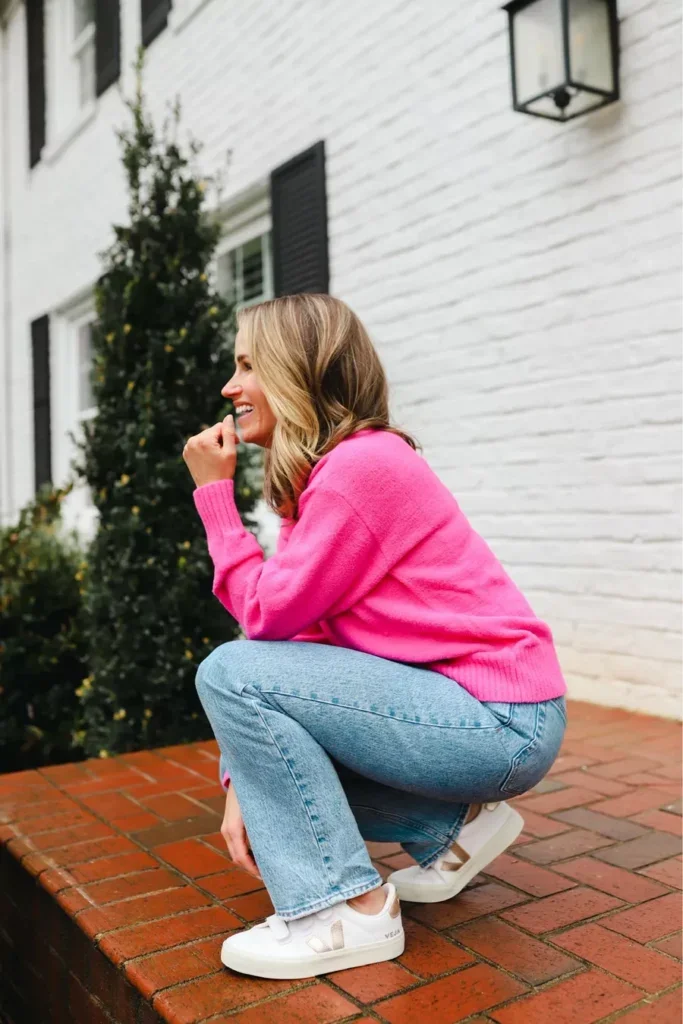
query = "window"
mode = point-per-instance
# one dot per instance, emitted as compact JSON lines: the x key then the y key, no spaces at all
{"x":244,"y":272}
{"x":84,"y":357}
{"x":82,"y":14}
{"x":70,"y":56}
{"x":72,"y":403}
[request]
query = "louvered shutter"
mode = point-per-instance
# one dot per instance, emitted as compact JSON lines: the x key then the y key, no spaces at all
{"x":298,"y":201}
{"x":107,"y":43}
{"x":35,"y":49}
{"x":154,"y":18}
{"x":42,"y":439}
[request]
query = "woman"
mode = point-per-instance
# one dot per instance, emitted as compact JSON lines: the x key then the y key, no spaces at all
{"x":395,"y":685}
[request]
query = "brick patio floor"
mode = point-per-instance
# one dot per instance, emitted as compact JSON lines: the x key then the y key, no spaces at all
{"x":580,"y":922}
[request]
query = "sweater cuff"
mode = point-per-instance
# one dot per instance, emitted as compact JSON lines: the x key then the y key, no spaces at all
{"x":216,"y":505}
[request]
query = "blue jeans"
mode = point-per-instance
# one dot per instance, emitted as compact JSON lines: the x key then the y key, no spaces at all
{"x":327,"y":746}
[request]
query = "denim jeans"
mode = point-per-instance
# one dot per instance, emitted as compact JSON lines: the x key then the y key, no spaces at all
{"x":327,"y":747}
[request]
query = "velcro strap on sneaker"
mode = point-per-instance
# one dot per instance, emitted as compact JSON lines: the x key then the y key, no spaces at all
{"x":278,"y":927}
{"x":448,"y":865}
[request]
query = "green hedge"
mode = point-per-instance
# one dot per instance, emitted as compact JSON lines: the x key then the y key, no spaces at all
{"x":42,"y":646}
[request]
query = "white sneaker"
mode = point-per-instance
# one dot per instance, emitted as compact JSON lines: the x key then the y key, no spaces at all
{"x":329,"y":940}
{"x":479,"y":842}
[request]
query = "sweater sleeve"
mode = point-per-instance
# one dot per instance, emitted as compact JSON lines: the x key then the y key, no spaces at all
{"x":325,"y":555}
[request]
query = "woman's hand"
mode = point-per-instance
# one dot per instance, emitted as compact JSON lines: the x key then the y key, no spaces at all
{"x":212,"y":455}
{"x":235,"y":835}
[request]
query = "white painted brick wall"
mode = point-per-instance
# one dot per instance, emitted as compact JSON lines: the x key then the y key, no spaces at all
{"x":522,"y":280}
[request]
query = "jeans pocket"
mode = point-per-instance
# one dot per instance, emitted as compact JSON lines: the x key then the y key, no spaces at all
{"x":535,"y":755}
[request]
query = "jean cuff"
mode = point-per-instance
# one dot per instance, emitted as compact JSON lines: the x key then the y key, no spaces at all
{"x":330,"y":901}
{"x":453,"y":834}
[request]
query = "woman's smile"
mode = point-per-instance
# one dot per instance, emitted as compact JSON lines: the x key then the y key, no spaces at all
{"x":252,"y":411}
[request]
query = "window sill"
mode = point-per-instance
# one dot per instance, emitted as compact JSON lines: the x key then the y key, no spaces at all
{"x":179,"y":16}
{"x":54,"y":150}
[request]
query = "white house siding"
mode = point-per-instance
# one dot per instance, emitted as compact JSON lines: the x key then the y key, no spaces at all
{"x":521,"y":279}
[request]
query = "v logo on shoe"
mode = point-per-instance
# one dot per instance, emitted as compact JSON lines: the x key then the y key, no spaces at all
{"x":319,"y":945}
{"x":459,"y":852}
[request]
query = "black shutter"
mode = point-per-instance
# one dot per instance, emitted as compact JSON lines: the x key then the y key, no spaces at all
{"x":42,"y":439}
{"x":35,"y":47}
{"x":298,"y":202}
{"x":154,"y":18}
{"x":107,"y":43}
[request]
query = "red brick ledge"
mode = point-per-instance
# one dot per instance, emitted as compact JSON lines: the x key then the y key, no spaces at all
{"x":117,"y":892}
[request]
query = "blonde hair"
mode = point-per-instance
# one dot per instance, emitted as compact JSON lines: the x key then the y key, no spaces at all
{"x":322,"y":378}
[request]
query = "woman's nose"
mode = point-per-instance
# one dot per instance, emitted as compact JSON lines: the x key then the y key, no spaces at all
{"x":230,"y":389}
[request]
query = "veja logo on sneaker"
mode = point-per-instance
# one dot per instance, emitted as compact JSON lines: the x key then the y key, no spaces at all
{"x":392,"y":935}
{"x":319,"y":945}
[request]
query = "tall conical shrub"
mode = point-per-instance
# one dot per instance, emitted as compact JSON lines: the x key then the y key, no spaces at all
{"x":163,"y":348}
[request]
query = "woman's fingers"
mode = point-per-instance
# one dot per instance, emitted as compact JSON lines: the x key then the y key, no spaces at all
{"x":239,"y":851}
{"x":230,"y":439}
{"x":235,"y":834}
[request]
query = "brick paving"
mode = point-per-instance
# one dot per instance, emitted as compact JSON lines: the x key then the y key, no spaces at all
{"x":580,"y":922}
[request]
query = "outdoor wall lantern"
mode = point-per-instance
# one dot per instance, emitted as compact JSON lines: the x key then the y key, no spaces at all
{"x":564,"y":56}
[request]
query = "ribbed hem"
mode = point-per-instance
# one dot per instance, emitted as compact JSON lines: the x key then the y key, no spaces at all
{"x":216,"y":505}
{"x":533,"y":676}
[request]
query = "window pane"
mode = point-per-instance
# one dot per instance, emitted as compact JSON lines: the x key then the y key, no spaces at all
{"x":86,"y":399}
{"x":86,"y":74}
{"x":252,"y":269}
{"x":242,"y":274}
{"x":84,"y":14}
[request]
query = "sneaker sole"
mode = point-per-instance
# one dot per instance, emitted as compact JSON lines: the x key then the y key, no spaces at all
{"x":497,"y":844}
{"x":323,"y":963}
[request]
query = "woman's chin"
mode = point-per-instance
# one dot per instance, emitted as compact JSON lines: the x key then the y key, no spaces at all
{"x":251,"y":437}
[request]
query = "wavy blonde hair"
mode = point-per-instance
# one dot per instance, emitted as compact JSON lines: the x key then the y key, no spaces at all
{"x":323,"y":380}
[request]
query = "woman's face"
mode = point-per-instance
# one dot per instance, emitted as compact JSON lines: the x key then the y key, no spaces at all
{"x":254,"y":416}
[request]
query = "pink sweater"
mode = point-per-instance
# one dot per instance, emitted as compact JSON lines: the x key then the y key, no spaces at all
{"x":383,"y":560}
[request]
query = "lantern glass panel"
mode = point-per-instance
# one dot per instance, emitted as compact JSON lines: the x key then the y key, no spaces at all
{"x":590,"y":56}
{"x":539,"y":54}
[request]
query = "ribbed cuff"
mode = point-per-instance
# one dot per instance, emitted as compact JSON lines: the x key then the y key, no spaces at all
{"x":216,"y":505}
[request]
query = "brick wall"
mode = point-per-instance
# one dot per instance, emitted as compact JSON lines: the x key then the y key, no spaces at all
{"x":521,"y":279}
